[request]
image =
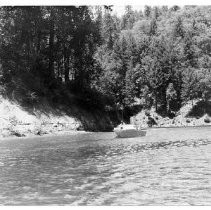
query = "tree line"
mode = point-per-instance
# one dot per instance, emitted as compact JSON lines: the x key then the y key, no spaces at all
{"x":159,"y":56}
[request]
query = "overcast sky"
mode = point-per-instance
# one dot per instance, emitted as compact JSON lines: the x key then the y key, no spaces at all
{"x":119,"y":10}
{"x":104,"y":2}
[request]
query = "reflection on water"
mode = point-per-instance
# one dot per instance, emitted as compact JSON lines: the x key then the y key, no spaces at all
{"x":98,"y":169}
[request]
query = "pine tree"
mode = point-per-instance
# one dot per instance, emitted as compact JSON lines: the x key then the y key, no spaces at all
{"x":147,"y":11}
{"x":178,"y":30}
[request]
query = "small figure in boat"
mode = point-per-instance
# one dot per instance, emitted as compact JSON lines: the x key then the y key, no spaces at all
{"x":121,"y":124}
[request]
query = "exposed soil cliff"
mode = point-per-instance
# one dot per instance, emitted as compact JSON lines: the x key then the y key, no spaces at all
{"x":16,"y":120}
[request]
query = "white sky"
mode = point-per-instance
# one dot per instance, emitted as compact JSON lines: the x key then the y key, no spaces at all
{"x":119,"y":10}
{"x":105,"y":2}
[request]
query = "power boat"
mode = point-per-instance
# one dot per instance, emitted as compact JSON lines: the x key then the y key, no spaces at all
{"x":129,"y":131}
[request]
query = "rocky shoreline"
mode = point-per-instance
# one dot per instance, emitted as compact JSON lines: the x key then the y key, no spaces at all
{"x":149,"y":118}
{"x":25,"y":130}
{"x":15,"y":122}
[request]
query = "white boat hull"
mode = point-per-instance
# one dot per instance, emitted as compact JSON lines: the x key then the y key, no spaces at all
{"x":130,"y":133}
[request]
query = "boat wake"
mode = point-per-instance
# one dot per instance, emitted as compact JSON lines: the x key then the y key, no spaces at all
{"x":120,"y":149}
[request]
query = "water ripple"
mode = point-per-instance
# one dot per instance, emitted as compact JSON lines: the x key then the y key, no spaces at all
{"x":106,"y":172}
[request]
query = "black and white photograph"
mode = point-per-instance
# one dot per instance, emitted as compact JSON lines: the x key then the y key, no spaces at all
{"x":105,"y":104}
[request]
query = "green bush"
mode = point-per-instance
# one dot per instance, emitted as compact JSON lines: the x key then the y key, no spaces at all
{"x":207,"y":120}
{"x":147,"y":113}
{"x":187,"y":120}
{"x":151,"y":122}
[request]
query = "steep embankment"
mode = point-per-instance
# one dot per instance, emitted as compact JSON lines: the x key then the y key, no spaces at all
{"x":20,"y":121}
{"x":16,"y":120}
{"x":193,"y":113}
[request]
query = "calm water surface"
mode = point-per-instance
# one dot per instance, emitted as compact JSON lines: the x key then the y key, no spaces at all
{"x":167,"y":167}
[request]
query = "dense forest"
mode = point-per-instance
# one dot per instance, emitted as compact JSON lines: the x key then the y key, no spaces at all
{"x":158,"y":57}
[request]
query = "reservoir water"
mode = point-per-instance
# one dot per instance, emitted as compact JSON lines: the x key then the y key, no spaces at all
{"x":169,"y":166}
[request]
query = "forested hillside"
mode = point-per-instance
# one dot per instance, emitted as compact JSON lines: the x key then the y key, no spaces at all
{"x":90,"y":57}
{"x":161,"y":56}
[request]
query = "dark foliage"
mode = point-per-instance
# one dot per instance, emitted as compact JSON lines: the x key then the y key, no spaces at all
{"x":91,"y":58}
{"x":200,"y":108}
